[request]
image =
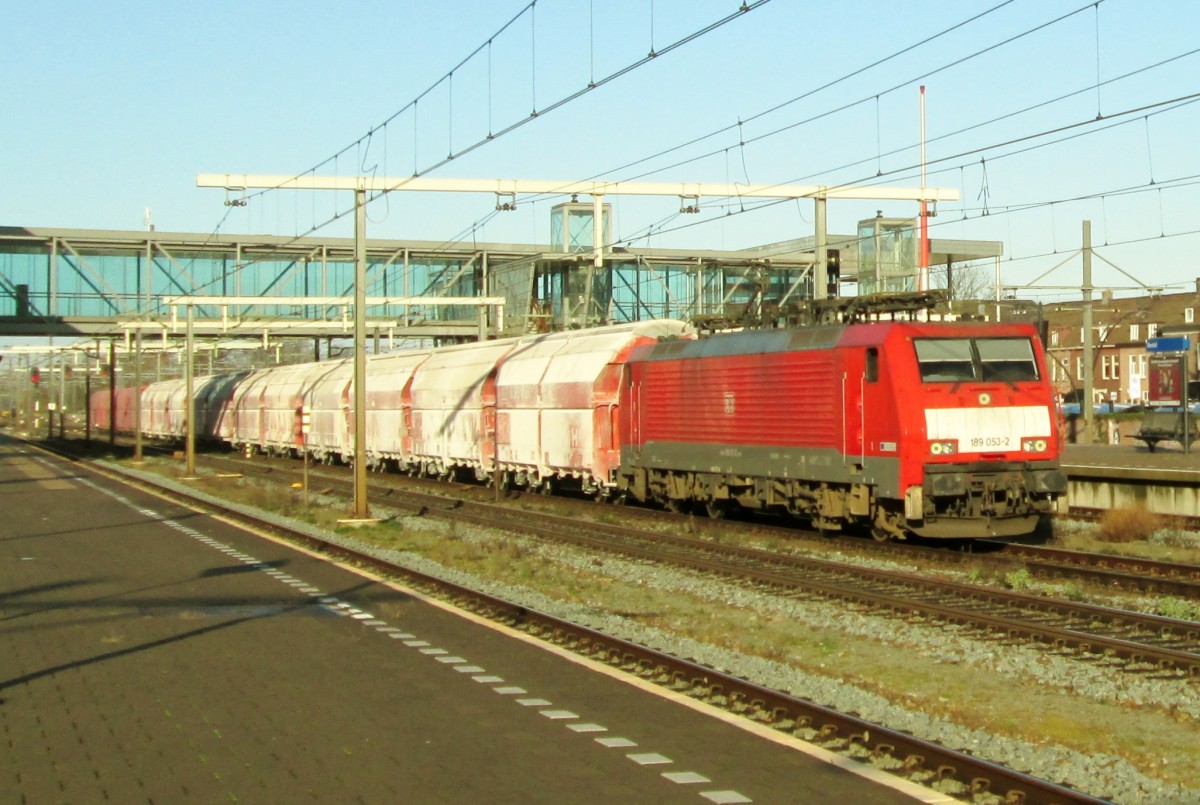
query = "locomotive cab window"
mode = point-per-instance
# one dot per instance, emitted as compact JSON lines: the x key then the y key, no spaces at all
{"x":1007,"y":359}
{"x":957,"y":360}
{"x":945,"y":360}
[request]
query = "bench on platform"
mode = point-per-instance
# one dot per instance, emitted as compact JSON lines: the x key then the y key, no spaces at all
{"x":1167,"y":426}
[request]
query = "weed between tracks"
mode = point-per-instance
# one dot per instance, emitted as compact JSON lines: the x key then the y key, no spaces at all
{"x":1161,"y":538}
{"x":1133,"y":524}
{"x":1159,"y":741}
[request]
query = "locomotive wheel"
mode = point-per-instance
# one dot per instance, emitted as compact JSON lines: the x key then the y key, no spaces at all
{"x":880,"y":534}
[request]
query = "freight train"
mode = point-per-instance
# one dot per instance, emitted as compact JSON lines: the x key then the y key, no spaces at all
{"x":938,"y":429}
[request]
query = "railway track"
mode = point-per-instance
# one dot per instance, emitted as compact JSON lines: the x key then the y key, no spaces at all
{"x":1109,"y":572}
{"x":1136,"y":639}
{"x":1129,"y":573}
{"x":1106,"y":571}
{"x":962,"y":775}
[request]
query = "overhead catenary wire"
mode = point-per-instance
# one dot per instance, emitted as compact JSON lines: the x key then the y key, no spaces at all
{"x":807,"y":94}
{"x":926,"y":40}
{"x":741,"y":11}
{"x":895,"y":87}
{"x":894,"y":174}
{"x":739,"y":126}
{"x":742,"y":141}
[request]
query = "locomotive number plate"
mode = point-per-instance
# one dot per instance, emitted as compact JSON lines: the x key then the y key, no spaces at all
{"x":985,"y":442}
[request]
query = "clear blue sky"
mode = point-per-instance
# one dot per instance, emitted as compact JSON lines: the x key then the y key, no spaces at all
{"x":110,"y":108}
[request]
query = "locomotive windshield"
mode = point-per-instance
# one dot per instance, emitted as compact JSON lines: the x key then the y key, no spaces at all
{"x":956,"y":360}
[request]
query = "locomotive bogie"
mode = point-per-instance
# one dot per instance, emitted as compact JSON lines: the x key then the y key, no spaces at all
{"x":830,"y":506}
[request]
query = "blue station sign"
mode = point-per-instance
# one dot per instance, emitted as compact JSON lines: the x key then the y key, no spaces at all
{"x":1174,"y":343}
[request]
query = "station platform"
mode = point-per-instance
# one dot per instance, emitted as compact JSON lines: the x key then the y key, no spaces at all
{"x":150,"y":653}
{"x":1168,"y":462}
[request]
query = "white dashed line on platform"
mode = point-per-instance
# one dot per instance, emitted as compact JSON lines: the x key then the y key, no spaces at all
{"x":587,"y":728}
{"x":724,"y":797}
{"x":616,"y":743}
{"x":338,"y":607}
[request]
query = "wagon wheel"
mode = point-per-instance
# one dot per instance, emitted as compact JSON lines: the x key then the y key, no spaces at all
{"x":716,"y":509}
{"x":881,"y":534}
{"x":675,"y":505}
{"x":546,"y":486}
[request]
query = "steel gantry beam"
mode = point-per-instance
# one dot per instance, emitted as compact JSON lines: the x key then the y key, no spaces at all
{"x":385,"y":184}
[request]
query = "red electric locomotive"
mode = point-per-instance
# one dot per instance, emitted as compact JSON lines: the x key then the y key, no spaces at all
{"x":936,"y":429}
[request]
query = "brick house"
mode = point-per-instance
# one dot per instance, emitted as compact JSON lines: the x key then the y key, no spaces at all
{"x":1120,"y":329}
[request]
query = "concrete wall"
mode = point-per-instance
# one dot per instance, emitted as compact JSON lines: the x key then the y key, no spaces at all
{"x":1161,"y":498}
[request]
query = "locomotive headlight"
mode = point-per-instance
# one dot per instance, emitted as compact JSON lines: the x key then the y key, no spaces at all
{"x":1033,"y":445}
{"x":943,"y":448}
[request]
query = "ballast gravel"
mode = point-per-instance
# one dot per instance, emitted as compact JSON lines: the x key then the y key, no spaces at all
{"x":1108,"y":777}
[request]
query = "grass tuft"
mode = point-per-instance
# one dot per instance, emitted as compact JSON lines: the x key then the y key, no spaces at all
{"x":1019,"y":580}
{"x":1179,"y":608}
{"x":1134,"y":524}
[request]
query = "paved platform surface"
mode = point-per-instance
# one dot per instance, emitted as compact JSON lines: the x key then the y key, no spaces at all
{"x":1166,"y":455}
{"x":152,"y":654}
{"x":1168,"y":463}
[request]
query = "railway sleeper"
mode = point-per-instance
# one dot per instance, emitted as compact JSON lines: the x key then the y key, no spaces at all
{"x":827,"y":735}
{"x":881,"y":751}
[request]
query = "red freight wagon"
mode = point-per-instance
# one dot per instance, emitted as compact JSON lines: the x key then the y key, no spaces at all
{"x":126,"y":398}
